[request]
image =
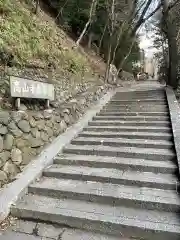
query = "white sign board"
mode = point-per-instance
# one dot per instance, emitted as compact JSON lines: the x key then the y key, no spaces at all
{"x":25,"y":88}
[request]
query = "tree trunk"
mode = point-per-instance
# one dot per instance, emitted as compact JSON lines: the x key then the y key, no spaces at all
{"x":108,"y":62}
{"x":100,"y":42}
{"x":120,"y":33}
{"x":91,"y":13}
{"x":170,"y":32}
{"x":173,"y":59}
{"x":131,"y":15}
{"x":37,"y":7}
{"x":90,"y":37}
{"x":121,"y":64}
{"x":61,"y":9}
{"x":83,"y":32}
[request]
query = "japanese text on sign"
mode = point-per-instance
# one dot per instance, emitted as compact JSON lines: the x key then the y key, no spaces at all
{"x":24,"y":88}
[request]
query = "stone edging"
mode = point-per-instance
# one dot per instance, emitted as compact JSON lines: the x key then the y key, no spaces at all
{"x":34,"y":169}
{"x":174,"y":111}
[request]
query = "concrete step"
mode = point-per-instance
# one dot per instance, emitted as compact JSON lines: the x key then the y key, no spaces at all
{"x":137,"y":94}
{"x":163,"y":104}
{"x":134,"y":109}
{"x":129,"y":129}
{"x":139,"y":97}
{"x":107,"y":193}
{"x":143,"y":99}
{"x":138,"y":118}
{"x":146,"y":94}
{"x":138,"y":104}
{"x":115,"y":122}
{"x":115,"y":220}
{"x":120,"y":142}
{"x":131,"y":97}
{"x":141,"y":165}
{"x":137,"y":114}
{"x":64,"y":233}
{"x":135,"y":100}
{"x":118,"y":111}
{"x":129,"y":135}
{"x":114,"y":176}
{"x":129,"y":152}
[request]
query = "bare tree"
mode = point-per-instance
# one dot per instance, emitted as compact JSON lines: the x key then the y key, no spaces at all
{"x":111,"y":27}
{"x":60,"y":13}
{"x":102,"y":37}
{"x":128,"y":20}
{"x":37,"y":7}
{"x":91,"y":15}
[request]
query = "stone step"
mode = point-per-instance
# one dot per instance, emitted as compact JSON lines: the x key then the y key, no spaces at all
{"x":136,"y":94}
{"x":153,"y":100}
{"x":115,"y":122}
{"x":129,"y":152}
{"x":146,"y":94}
{"x":114,"y":176}
{"x":127,"y":96}
{"x":139,"y":98}
{"x":115,"y":220}
{"x":64,"y":234}
{"x":130,"y":96}
{"x":137,"y":114}
{"x":117,"y":103}
{"x":120,"y":142}
{"x":107,"y":193}
{"x":137,"y":103}
{"x":153,"y":92}
{"x":117,"y":163}
{"x":132,"y":135}
{"x":132,"y":118}
{"x":134,"y":109}
{"x":163,"y":104}
{"x":129,"y":129}
{"x":114,"y":111}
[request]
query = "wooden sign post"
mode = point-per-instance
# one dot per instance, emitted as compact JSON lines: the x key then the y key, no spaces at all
{"x":25,"y":88}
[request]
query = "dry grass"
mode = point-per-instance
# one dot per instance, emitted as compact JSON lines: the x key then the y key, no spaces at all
{"x":32,"y":40}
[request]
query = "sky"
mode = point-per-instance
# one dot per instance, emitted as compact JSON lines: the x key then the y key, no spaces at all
{"x":147,"y":44}
{"x":146,"y":37}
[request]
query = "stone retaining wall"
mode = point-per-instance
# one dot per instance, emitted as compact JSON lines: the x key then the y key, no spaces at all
{"x":23,"y":134}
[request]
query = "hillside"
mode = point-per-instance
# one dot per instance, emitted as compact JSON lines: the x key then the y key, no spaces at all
{"x":36,"y":40}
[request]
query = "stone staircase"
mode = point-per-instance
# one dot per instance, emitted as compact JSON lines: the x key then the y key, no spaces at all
{"x":118,"y":177}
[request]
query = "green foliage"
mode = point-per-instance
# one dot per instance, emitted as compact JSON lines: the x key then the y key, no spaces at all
{"x":75,"y":14}
{"x":32,"y":40}
{"x":29,"y":38}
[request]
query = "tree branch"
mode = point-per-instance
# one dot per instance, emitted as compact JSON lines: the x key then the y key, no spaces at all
{"x":141,"y":18}
{"x":61,"y":10}
{"x":172,"y":4}
{"x":128,"y":21}
{"x":153,"y":12}
{"x":91,"y":13}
